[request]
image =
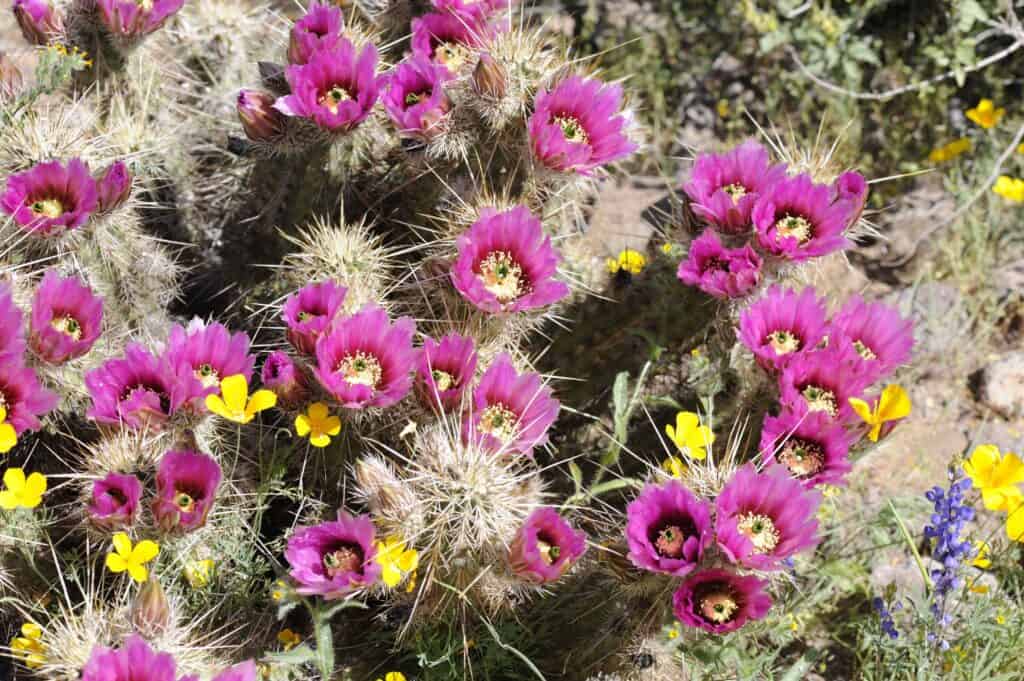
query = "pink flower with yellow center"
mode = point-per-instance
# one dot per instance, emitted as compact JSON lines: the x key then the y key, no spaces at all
{"x":67,"y":318}
{"x":51,"y":198}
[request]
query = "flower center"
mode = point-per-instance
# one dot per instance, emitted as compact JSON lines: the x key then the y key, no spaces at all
{"x":718,"y":607}
{"x":184,"y":501}
{"x":714,"y":264}
{"x":802,"y":458}
{"x":670,"y":541}
{"x":443,"y":380}
{"x":414,"y":98}
{"x":343,"y":560}
{"x":306,"y":316}
{"x":736,"y":191}
{"x":499,"y":421}
{"x":820,"y":399}
{"x":760,"y":530}
{"x":117,"y":495}
{"x":502,"y":276}
{"x":47,"y":208}
{"x":361,"y":369}
{"x":67,"y":325}
{"x":783,"y":342}
{"x":334,"y":97}
{"x":572,"y":130}
{"x":145,"y":5}
{"x":452,"y":55}
{"x":795,"y":226}
{"x":863,"y":350}
{"x":208,"y":376}
{"x":549,"y":551}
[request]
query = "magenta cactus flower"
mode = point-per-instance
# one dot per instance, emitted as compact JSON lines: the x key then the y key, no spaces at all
{"x":812,"y":447}
{"x":445,"y":369}
{"x":881,"y":338}
{"x":12,"y":338}
{"x":114,"y":187}
{"x":319,"y":29}
{"x":310,"y":311}
{"x":21,"y":394}
{"x":507,"y":264}
{"x":334,"y":558}
{"x":723,"y":188}
{"x":366,"y":360}
{"x":765,"y":518}
{"x":67,"y":318}
{"x":823,"y":380}
{"x":782,"y":324}
{"x":51,"y":198}
{"x":719,"y":271}
{"x":851,"y":189}
{"x":720,"y":601}
{"x":512,"y":412}
{"x":577,"y":126}
{"x":133,"y":661}
{"x":115,"y":501}
{"x":449,"y":40}
{"x":545,"y":547}
{"x":282,"y":376}
{"x":797,"y":220}
{"x":186,"y":485}
{"x":37,"y":20}
{"x":668,"y":529}
{"x":336,"y":89}
{"x":128,"y":19}
{"x":415,"y":99}
{"x":137,"y":391}
{"x":210,"y":353}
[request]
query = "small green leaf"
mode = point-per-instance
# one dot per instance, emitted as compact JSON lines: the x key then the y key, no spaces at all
{"x":300,"y":654}
{"x":577,"y":476}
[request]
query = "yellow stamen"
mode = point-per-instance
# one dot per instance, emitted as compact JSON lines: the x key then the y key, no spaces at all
{"x":498,"y":421}
{"x":795,"y":226}
{"x":67,"y":325}
{"x":572,"y":130}
{"x":819,"y":399}
{"x":736,"y":191}
{"x":48,"y":208}
{"x":760,"y":530}
{"x":803,"y":459}
{"x":333,"y":97}
{"x":718,"y":607}
{"x":502,"y":276}
{"x":452,"y":55}
{"x":361,"y":369}
{"x":863,"y":350}
{"x":783,"y":342}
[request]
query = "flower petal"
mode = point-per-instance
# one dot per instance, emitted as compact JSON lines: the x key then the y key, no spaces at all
{"x":116,"y":563}
{"x":122,"y":544}
{"x":894,"y":404}
{"x":8,"y":500}
{"x":261,"y":400}
{"x":145,"y":551}
{"x":8,"y":437}
{"x":138,"y":572}
{"x":14,"y":480}
{"x":318,"y":411}
{"x":302,"y":426}
{"x":235,"y":390}
{"x":320,"y":440}
{"x":332,"y":426}
{"x":215,"y":404}
{"x":35,"y":486}
{"x":863,"y":410}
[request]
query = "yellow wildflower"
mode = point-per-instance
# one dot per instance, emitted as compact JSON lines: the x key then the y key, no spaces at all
{"x":995,"y":475}
{"x":675,"y":467}
{"x":133,"y":559}
{"x":396,"y":561}
{"x":393,"y":676}
{"x":986,"y":114}
{"x":950,"y":151}
{"x":28,"y":648}
{"x":288,"y":639}
{"x":8,"y":436}
{"x":629,"y":261}
{"x":892,"y":405}
{"x":695,"y":353}
{"x":234,"y":402}
{"x":723,"y":108}
{"x":198,"y":572}
{"x":1010,"y":188}
{"x":278,"y":592}
{"x":975,"y":587}
{"x":318,"y":423}
{"x":1000,"y":618}
{"x":689,"y":435}
{"x":22,"y":492}
{"x":667,"y":247}
{"x":981,"y":559}
{"x":1015,"y":520}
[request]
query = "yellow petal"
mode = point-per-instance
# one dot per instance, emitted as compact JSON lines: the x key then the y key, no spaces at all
{"x":318,"y":411}
{"x":35,"y":486}
{"x":863,"y":410}
{"x":138,"y":572}
{"x":875,"y":432}
{"x":1000,"y":498}
{"x":698,"y":453}
{"x":700,"y":437}
{"x":1015,"y":522}
{"x":122,"y":544}
{"x":409,"y":561}
{"x":686,"y":421}
{"x":215,"y":404}
{"x":1009,"y":471}
{"x":116,"y":563}
{"x":320,"y":440}
{"x":235,"y":390}
{"x":894,"y":404}
{"x":302,"y":426}
{"x":391,"y":575}
{"x":14,"y":479}
{"x":8,"y":500}
{"x":145,"y":551}
{"x":261,"y":401}
{"x":983,"y":462}
{"x":671,"y":432}
{"x":332,"y":426}
{"x":3,"y":414}
{"x":8,"y":437}
{"x":31,"y":630}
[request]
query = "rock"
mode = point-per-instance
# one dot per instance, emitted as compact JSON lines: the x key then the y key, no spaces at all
{"x":1009,"y":437}
{"x":941,"y":319}
{"x":1000,"y":385}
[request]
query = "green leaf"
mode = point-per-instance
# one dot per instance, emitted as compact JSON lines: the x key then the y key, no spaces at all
{"x":612,"y":485}
{"x":577,"y":476}
{"x":300,"y":654}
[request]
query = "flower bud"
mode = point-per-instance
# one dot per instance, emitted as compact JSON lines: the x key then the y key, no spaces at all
{"x":10,"y":78}
{"x":114,"y":187}
{"x":281,"y":375}
{"x":37,"y":20}
{"x":150,"y":612}
{"x":262,"y":122}
{"x":489,"y":78}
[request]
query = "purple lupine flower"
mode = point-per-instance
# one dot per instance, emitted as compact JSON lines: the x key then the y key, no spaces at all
{"x":309,"y":312}
{"x":114,"y":187}
{"x":128,"y":19}
{"x":21,"y":394}
{"x":137,"y":391}
{"x":281,"y":375}
{"x":796,"y":220}
{"x":723,"y":188}
{"x":415,"y":99}
{"x":445,"y":369}
{"x":506,"y":263}
{"x":577,"y":126}
{"x":133,"y":661}
{"x":12,"y":336}
{"x":210,"y":353}
{"x":512,"y":412}
{"x":885,"y":617}
{"x":823,"y":380}
{"x":366,"y":360}
{"x":51,"y":198}
{"x":37,"y":19}
{"x":334,"y":558}
{"x":882,"y":339}
{"x":186,"y":485}
{"x":260,"y":120}
{"x":719,"y":271}
{"x":851,"y":189}
{"x":951,"y":550}
{"x":720,"y":601}
{"x":115,"y":501}
{"x":448,"y":40}
{"x":765,"y":518}
{"x":813,"y":448}
{"x":545,"y":547}
{"x":782,"y":324}
{"x":319,"y":29}
{"x":67,"y":318}
{"x":668,"y":528}
{"x":336,"y":89}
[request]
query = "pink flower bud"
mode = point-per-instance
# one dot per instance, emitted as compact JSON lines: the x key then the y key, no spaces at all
{"x":489,"y":78}
{"x":150,"y":612}
{"x":262,"y":122}
{"x":10,"y":78}
{"x":114,"y":187}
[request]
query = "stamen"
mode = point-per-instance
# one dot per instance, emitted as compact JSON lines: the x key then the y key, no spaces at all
{"x":820,"y":399}
{"x":145,"y":5}
{"x":499,"y":421}
{"x":342,"y":560}
{"x":572,"y":130}
{"x":502,"y":276}
{"x":670,"y":541}
{"x":718,"y":607}
{"x":452,"y":55}
{"x":184,"y":501}
{"x":361,"y":369}
{"x":414,"y":98}
{"x":802,"y":458}
{"x":48,"y":208}
{"x":67,"y":325}
{"x":305,"y":316}
{"x":548,"y":552}
{"x":443,"y":380}
{"x":760,"y":530}
{"x":863,"y":350}
{"x":334,"y":96}
{"x":783,"y":342}
{"x":736,"y":191}
{"x":795,"y":226}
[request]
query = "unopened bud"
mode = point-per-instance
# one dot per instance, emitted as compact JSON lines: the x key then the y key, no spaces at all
{"x":37,"y":20}
{"x":10,"y":78}
{"x":150,"y":611}
{"x":114,"y":187}
{"x":262,"y":122}
{"x":489,"y":78}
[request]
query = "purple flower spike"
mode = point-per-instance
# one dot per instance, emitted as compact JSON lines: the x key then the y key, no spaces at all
{"x":577,"y":126}
{"x":719,"y":271}
{"x":851,"y":189}
{"x":114,"y":187}
{"x":365,"y":360}
{"x":186,"y":484}
{"x":67,"y":318}
{"x":782,"y":324}
{"x":823,"y":380}
{"x":12,"y":338}
{"x":319,"y":29}
{"x":507,"y":264}
{"x":210,"y":353}
{"x":881,"y":338}
{"x":764,"y":518}
{"x":796,"y":220}
{"x":445,"y":370}
{"x":115,"y":501}
{"x":813,"y":448}
{"x":333,"y":559}
{"x":415,"y":99}
{"x":37,"y":19}
{"x":449,"y":40}
{"x":130,"y":19}
{"x":309,"y":312}
{"x":512,"y":412}
{"x":723,"y":188}
{"x":22,"y":395}
{"x":720,"y":601}
{"x":336,"y":89}
{"x":545,"y":547}
{"x":667,"y":529}
{"x":134,"y":661}
{"x":51,"y":198}
{"x":281,"y":375}
{"x":138,"y":391}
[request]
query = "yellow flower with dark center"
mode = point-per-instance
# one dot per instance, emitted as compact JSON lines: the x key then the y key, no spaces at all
{"x":198,"y":572}
{"x":132,"y":559}
{"x":318,"y":423}
{"x":675,"y":467}
{"x":950,"y":151}
{"x":629,"y":261}
{"x":8,"y":436}
{"x":893,"y":405}
{"x":997,"y":476}
{"x":288,"y":639}
{"x":234,"y":402}
{"x":986,"y":114}
{"x":1010,"y":188}
{"x":690,"y":436}
{"x":22,"y":492}
{"x":28,"y":648}
{"x":396,"y":561}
